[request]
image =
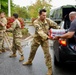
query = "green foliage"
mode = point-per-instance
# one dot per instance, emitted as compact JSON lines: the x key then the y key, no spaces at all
{"x":22,"y":11}
{"x":34,"y":9}
{"x":4,"y":6}
{"x":10,"y":34}
{"x":24,"y":31}
{"x":26,"y":12}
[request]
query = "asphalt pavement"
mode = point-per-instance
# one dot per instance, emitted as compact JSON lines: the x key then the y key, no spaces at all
{"x":12,"y":66}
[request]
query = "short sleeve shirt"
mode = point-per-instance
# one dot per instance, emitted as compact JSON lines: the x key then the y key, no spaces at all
{"x":73,"y":26}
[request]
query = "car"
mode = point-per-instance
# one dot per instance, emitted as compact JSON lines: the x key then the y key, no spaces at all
{"x":59,"y":14}
{"x":64,"y":50}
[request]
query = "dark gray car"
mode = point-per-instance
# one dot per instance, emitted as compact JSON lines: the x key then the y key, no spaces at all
{"x":64,"y":50}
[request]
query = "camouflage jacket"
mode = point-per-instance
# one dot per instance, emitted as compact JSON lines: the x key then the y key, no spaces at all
{"x":16,"y":29}
{"x":4,"y":21}
{"x":41,"y":28}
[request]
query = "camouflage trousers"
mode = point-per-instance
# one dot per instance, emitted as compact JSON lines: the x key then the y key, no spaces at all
{"x":2,"y":41}
{"x":17,"y":46}
{"x":45,"y":47}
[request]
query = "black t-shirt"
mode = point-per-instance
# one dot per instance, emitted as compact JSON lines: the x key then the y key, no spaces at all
{"x":73,"y":26}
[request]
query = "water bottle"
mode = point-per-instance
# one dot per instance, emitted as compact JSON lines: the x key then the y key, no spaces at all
{"x":56,"y":32}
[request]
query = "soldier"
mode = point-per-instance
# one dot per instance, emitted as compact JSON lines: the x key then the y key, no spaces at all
{"x":3,"y":23}
{"x":16,"y":30}
{"x":42,"y":25}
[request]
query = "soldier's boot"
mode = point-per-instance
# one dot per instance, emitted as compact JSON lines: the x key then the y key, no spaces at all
{"x":12,"y":55}
{"x":0,"y":51}
{"x":22,"y":58}
{"x":49,"y":71}
{"x":27,"y":63}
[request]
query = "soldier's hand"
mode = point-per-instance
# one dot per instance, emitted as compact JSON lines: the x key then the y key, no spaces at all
{"x":56,"y":37}
{"x":50,"y":38}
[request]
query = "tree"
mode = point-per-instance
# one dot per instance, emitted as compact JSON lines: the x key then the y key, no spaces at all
{"x":4,"y":6}
{"x":34,"y":9}
{"x":22,"y":11}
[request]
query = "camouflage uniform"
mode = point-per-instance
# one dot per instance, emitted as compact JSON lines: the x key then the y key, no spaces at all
{"x":16,"y":30}
{"x":2,"y":29}
{"x":40,"y":38}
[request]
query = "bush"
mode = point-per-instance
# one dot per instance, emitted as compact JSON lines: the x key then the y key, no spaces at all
{"x":24,"y":31}
{"x":9,"y":34}
{"x":10,"y":20}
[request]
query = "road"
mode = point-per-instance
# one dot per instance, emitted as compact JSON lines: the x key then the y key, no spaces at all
{"x":12,"y":66}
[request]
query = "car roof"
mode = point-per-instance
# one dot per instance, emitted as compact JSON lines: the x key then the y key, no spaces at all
{"x":58,"y":14}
